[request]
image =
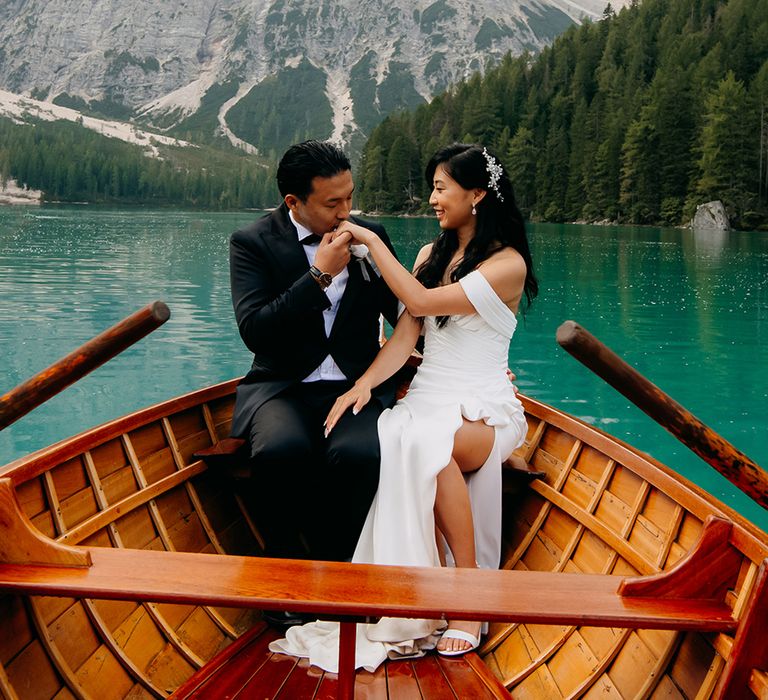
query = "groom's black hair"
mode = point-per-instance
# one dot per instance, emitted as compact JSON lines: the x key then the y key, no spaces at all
{"x":305,"y":161}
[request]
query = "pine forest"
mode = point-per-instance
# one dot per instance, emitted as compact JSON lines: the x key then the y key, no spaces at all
{"x":634,"y":119}
{"x":71,"y":163}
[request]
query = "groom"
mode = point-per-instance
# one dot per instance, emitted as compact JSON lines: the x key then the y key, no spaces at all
{"x":309,"y":312}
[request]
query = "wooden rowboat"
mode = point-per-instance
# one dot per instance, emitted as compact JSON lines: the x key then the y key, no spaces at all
{"x":129,"y":568}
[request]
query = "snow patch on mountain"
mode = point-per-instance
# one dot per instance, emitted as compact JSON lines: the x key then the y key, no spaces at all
{"x":23,"y":109}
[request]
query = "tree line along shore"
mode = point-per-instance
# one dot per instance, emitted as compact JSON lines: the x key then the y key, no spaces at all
{"x":634,"y":119}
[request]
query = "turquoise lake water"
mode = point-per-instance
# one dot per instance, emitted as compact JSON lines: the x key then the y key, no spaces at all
{"x":690,"y":311}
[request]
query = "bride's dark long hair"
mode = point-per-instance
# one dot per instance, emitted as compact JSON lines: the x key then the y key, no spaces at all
{"x":499,"y":223}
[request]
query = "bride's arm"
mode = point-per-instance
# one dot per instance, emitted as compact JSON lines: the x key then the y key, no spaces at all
{"x":505,"y":273}
{"x":391,"y":357}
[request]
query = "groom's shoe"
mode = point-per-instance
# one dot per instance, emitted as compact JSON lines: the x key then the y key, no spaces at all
{"x":283,"y":619}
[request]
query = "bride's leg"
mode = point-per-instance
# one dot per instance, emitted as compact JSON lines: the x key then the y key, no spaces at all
{"x":440,"y":542}
{"x":453,"y":513}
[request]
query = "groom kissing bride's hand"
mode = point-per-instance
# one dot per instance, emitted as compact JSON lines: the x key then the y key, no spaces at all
{"x":351,"y":233}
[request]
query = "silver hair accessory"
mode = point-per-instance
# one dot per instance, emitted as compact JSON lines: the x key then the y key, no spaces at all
{"x":494,"y":170}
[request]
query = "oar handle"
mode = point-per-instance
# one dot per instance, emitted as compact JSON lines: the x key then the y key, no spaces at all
{"x":705,"y":442}
{"x":95,"y":352}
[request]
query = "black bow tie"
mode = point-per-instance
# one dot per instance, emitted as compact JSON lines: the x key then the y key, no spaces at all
{"x":311,"y":239}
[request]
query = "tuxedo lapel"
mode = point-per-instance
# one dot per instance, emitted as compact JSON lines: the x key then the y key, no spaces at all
{"x":284,"y":245}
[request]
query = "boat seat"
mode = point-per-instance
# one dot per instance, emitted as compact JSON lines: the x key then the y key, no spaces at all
{"x":246,"y":668}
{"x":231,"y":456}
{"x":689,"y":596}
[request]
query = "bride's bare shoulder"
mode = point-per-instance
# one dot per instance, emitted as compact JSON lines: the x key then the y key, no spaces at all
{"x":422,"y":255}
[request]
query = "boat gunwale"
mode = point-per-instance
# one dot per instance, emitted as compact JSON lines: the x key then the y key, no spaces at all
{"x":747,"y":536}
{"x":671,"y":483}
{"x":30,"y":466}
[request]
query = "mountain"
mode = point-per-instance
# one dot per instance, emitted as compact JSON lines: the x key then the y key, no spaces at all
{"x":264,"y":73}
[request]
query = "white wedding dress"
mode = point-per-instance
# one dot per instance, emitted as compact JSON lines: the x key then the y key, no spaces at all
{"x":462,"y":375}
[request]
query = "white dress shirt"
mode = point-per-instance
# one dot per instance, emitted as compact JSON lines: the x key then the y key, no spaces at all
{"x":328,"y":369}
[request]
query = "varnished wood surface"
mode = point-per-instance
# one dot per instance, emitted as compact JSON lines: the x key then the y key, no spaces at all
{"x":600,"y":508}
{"x":26,"y":468}
{"x":248,"y":669}
{"x":733,"y":464}
{"x":21,"y":543}
{"x":357,"y":589}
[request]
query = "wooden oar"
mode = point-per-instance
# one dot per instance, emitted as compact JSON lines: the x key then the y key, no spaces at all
{"x":95,"y":352}
{"x":705,"y":442}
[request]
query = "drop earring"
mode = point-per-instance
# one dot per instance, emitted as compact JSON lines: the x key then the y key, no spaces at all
{"x":474,"y":211}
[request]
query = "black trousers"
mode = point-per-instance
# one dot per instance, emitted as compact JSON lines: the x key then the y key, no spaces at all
{"x":313,"y":493}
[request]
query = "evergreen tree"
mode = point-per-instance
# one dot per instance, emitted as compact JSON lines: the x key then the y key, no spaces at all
{"x":639,"y":197}
{"x":727,"y":152}
{"x":521,"y":165}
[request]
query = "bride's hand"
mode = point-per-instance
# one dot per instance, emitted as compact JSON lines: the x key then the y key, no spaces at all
{"x":357,"y":397}
{"x":358,"y":233}
{"x":512,"y":376}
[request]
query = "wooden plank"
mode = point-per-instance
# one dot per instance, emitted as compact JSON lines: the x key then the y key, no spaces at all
{"x":226,"y":673}
{"x":328,"y":688}
{"x":347,"y":643}
{"x":304,"y":681}
{"x":29,"y":467}
{"x":662,"y":662}
{"x":711,"y":566}
{"x":159,"y":524}
{"x":432,"y":681}
{"x":748,"y":538}
{"x":758,"y":684}
{"x":180,"y":461}
{"x":484,"y":675}
{"x":172,"y":636}
{"x":361,"y":589}
{"x":6,"y":690}
{"x":401,"y":680}
{"x":34,"y":673}
{"x":121,"y":508}
{"x":117,"y":651}
{"x":53,"y":500}
{"x":54,"y":654}
{"x":750,"y":646}
{"x":462,"y":676}
{"x":586,"y":454}
{"x":592,"y":677}
{"x":31,"y":498}
{"x":268,"y":680}
{"x":573,"y":663}
{"x":606,"y":534}
{"x":690,"y":667}
{"x":17,"y":628}
{"x":21,"y":542}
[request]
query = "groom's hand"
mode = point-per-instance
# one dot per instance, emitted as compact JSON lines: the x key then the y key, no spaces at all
{"x":359,"y":234}
{"x":333,"y":253}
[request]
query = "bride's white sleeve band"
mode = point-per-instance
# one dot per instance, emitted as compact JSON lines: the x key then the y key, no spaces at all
{"x":488,"y":304}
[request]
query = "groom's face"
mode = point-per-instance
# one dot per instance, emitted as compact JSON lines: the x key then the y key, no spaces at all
{"x":327,"y":205}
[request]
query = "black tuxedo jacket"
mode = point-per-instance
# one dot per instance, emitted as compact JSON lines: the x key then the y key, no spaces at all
{"x":279,"y":311}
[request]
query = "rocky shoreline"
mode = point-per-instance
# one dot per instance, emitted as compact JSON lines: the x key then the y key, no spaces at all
{"x":11,"y":193}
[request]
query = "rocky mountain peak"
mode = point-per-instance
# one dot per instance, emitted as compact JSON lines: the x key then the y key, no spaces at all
{"x":264,"y":72}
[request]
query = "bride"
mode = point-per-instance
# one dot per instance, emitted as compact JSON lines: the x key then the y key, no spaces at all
{"x":442,"y":445}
